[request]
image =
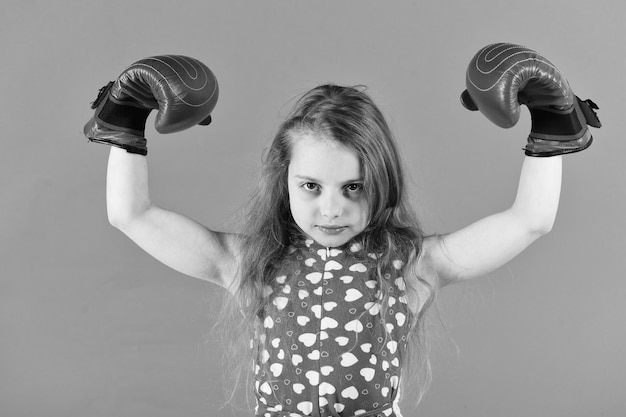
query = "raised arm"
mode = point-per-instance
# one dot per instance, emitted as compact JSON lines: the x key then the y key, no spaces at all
{"x":492,"y":241}
{"x":171,"y":238}
{"x":184,"y":91}
{"x":500,"y":79}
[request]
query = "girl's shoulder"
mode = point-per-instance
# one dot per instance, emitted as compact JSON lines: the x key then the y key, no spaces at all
{"x":421,"y":277}
{"x":422,"y":264}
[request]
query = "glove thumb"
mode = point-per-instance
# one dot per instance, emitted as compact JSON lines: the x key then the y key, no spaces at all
{"x":468,"y":102}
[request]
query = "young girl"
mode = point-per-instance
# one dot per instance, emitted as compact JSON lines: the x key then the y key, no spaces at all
{"x":333,"y":274}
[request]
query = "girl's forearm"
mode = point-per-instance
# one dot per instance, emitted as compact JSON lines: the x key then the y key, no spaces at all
{"x":127,"y":191}
{"x":538,"y":193}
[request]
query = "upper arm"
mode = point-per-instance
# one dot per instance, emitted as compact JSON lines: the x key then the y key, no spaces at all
{"x":177,"y":241}
{"x":492,"y":241}
{"x":186,"y":246}
{"x":479,"y":248}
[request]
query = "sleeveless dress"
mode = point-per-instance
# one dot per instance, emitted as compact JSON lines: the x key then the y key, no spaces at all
{"x":329,"y":341}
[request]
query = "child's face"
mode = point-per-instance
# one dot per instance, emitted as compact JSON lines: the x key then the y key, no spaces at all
{"x":326,"y":190}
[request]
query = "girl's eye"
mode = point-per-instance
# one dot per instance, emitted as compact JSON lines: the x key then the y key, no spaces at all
{"x":310,"y":186}
{"x":354,"y":188}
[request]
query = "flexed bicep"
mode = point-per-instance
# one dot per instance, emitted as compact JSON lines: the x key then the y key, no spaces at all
{"x":172,"y":238}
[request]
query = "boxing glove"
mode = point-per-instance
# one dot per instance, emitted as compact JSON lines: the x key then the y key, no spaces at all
{"x":183,"y":89}
{"x":501,"y":77}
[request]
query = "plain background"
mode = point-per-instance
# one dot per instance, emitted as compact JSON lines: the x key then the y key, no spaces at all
{"x":91,"y":326}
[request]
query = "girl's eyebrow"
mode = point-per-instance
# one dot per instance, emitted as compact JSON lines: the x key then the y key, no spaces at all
{"x":305,"y":177}
{"x":311,"y":179}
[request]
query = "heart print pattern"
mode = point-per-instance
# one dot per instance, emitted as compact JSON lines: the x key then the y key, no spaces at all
{"x":326,"y":345}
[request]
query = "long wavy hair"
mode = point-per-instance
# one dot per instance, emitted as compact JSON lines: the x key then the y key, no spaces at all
{"x":348,"y":116}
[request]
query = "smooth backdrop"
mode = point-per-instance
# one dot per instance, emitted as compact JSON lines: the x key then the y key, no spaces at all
{"x":92,"y":326}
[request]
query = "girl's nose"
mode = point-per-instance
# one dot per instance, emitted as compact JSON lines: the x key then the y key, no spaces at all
{"x":331,"y":206}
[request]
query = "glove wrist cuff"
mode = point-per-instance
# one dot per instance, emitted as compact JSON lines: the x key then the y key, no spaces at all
{"x":95,"y":132}
{"x":113,"y":114}
{"x":543,"y":148}
{"x":558,"y":132}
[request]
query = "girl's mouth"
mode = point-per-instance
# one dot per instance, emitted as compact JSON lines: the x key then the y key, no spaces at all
{"x":331,"y":230}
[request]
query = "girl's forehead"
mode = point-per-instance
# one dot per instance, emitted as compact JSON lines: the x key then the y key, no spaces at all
{"x":317,"y":156}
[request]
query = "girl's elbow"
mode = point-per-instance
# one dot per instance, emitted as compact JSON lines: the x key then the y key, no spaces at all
{"x":120,"y":219}
{"x":117,"y":219}
{"x":536,"y":222}
{"x":123,"y":214}
{"x":545,"y":229}
{"x":542,"y":226}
